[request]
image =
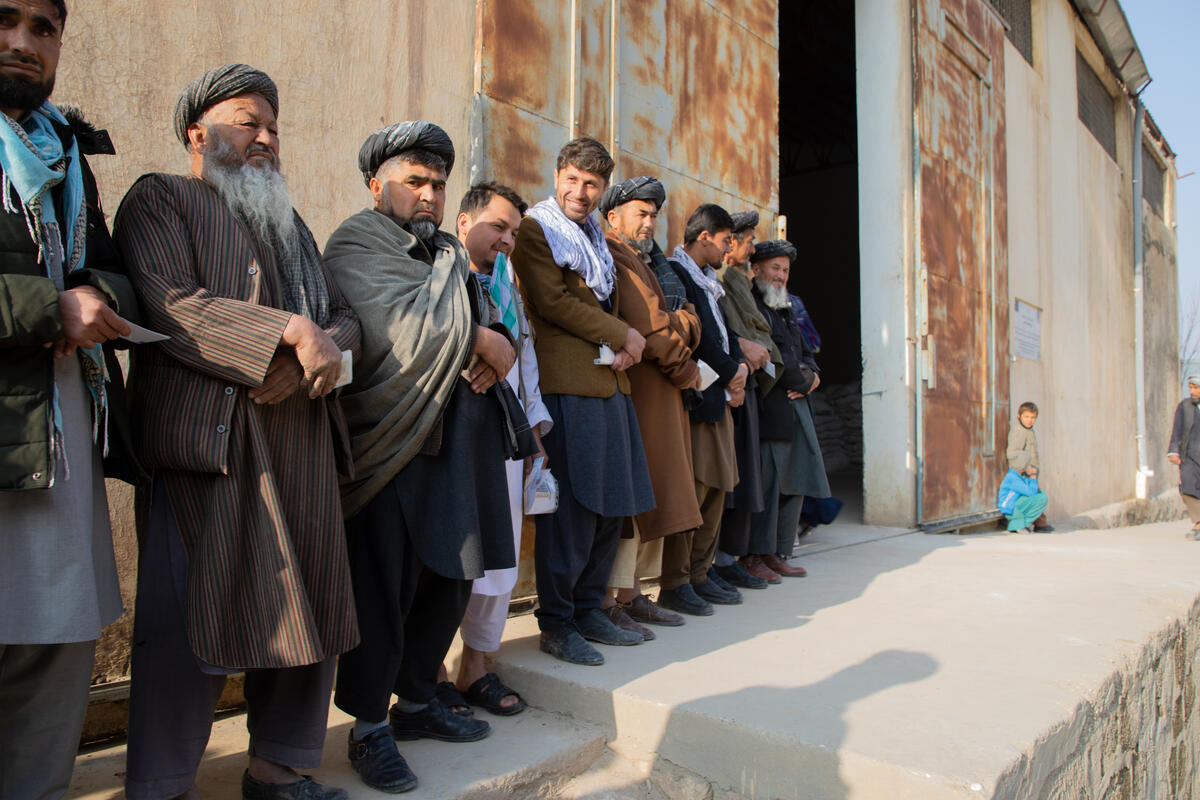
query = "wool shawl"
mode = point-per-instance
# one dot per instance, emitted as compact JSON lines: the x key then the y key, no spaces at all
{"x":417,"y":335}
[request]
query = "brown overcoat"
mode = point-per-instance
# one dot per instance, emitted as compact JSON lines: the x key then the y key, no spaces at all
{"x":253,"y":488}
{"x":666,"y":367}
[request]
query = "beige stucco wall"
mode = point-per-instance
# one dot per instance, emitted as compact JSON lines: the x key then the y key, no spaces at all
{"x":1071,"y":254}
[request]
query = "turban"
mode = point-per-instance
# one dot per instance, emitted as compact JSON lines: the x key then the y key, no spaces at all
{"x":744,"y":221}
{"x":1193,"y":380}
{"x":396,"y":138}
{"x":773,"y":248}
{"x":218,"y":85}
{"x":640,"y":188}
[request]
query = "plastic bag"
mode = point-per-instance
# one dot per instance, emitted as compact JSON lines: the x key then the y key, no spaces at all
{"x":541,"y":490}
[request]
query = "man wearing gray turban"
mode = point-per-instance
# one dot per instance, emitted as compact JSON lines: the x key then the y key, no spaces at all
{"x":1184,"y":452}
{"x":427,"y":501}
{"x":243,"y":561}
{"x":762,"y":356}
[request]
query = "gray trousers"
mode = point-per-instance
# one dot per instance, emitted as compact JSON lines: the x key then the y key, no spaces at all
{"x":43,"y":697}
{"x":773,"y":530}
{"x":172,"y":698}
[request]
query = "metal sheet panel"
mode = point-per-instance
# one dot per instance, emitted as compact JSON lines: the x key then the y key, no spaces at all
{"x":689,"y":93}
{"x":963,"y":314}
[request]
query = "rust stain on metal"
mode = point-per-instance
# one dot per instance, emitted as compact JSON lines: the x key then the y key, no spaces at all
{"x":960,"y":48}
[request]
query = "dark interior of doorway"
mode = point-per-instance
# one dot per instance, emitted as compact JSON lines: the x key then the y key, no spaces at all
{"x":818,"y":193}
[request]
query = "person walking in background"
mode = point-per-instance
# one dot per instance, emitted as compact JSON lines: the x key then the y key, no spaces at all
{"x":1184,"y":452}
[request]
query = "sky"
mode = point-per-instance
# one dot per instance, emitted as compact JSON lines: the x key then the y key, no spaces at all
{"x":1168,"y":34}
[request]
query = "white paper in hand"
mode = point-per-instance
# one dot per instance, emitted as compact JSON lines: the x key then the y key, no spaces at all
{"x":347,"y":369}
{"x":707,"y":375}
{"x":769,"y":368}
{"x":606,"y":356}
{"x":139,"y":335}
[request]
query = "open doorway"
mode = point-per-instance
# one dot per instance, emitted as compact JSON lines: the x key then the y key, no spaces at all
{"x":818,"y":193}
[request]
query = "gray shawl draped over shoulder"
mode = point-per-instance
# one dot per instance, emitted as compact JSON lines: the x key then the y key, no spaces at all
{"x":417,"y":334}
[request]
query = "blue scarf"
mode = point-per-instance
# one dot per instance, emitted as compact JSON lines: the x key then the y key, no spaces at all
{"x":34,"y":162}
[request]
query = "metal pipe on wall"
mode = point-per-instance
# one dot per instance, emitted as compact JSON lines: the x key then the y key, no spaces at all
{"x":1139,"y":305}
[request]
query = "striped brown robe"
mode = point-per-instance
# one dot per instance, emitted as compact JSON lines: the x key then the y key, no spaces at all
{"x":253,"y":488}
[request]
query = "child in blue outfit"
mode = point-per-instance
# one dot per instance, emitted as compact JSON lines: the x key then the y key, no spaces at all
{"x":1020,"y":499}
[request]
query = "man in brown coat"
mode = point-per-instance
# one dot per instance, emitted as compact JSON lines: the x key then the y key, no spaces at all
{"x":667,"y":367}
{"x":568,"y":282}
{"x":243,"y":563}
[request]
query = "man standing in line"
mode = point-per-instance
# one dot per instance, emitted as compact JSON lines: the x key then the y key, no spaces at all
{"x":62,"y":293}
{"x":762,"y":356}
{"x":568,"y":281}
{"x":686,"y":586}
{"x":426,"y":504}
{"x":1184,"y":452}
{"x":792,"y":466}
{"x":487,"y":223}
{"x":243,"y":562}
{"x":667,"y":367}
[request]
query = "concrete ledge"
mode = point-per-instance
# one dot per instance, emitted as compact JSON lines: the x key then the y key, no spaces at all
{"x":1163,"y":507}
{"x":904,"y":666}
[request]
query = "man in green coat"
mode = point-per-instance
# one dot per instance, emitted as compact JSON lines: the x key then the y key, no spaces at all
{"x":62,"y":294}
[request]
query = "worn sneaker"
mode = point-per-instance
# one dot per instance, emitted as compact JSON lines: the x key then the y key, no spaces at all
{"x":595,"y":626}
{"x":617,"y":616}
{"x":567,"y":644}
{"x":379,"y":764}
{"x":646,"y":611}
{"x":435,"y":721}
{"x":1193,"y":535}
{"x":685,"y":600}
{"x":304,"y":789}
{"x":736,"y":575}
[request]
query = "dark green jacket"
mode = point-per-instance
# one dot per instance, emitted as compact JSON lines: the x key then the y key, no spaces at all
{"x":29,"y":318}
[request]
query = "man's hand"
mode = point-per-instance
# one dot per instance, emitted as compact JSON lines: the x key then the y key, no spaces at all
{"x":738,"y":382}
{"x":495,"y":350}
{"x":482,"y":377}
{"x":622,"y":361}
{"x":86,"y":320}
{"x":634,"y":344}
{"x":537,"y":437}
{"x":1175,"y":459}
{"x":319,"y":357}
{"x":283,"y":378}
{"x":736,"y":398}
{"x":756,"y":355}
{"x":797,"y":395}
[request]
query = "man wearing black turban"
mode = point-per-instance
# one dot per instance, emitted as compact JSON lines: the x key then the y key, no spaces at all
{"x":243,"y":562}
{"x":790,"y":455}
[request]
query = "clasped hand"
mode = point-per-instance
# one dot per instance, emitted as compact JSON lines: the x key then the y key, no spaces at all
{"x":86,"y":321}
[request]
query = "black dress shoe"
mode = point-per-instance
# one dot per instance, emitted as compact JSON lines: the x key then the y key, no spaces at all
{"x":567,"y":644}
{"x":718,"y":581}
{"x":379,"y":764}
{"x":435,"y":721}
{"x":715,"y":594}
{"x":684,"y":600}
{"x":595,"y":626}
{"x":304,"y":789}
{"x":736,"y":575}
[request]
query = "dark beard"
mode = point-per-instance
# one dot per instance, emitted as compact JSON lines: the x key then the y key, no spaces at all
{"x":23,"y":95}
{"x":423,"y":229}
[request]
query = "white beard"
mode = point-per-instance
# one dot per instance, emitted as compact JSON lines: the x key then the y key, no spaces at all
{"x":259,"y":195}
{"x":775,"y":297}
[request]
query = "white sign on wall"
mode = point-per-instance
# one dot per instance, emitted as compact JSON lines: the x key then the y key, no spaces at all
{"x":1027,"y":331}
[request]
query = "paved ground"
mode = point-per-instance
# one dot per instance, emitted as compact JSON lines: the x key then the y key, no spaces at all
{"x":905,"y":665}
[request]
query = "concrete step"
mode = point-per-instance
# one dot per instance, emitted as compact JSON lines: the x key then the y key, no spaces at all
{"x":529,"y":755}
{"x":904,"y":666}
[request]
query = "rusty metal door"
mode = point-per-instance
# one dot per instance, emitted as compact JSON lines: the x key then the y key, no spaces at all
{"x":962,"y":268}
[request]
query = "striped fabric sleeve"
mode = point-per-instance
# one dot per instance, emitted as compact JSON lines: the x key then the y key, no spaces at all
{"x":216,"y":335}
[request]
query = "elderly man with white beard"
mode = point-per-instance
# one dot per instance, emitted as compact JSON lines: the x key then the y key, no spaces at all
{"x":790,"y":455}
{"x":243,"y":561}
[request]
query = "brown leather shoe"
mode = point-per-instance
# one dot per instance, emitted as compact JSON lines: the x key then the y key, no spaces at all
{"x":623,"y":621}
{"x":774,"y":562}
{"x":755,"y":566}
{"x":643,"y":609}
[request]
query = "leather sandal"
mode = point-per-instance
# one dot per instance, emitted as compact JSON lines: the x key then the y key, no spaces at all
{"x":489,"y":691}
